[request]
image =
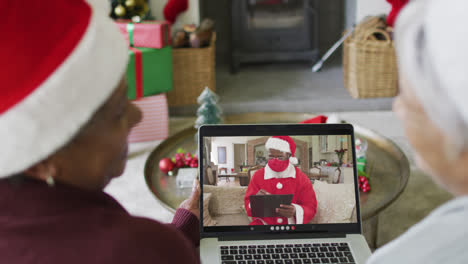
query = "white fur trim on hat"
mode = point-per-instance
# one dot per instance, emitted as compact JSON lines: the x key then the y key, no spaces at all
{"x":278,"y":144}
{"x":293,"y":160}
{"x":51,"y":116}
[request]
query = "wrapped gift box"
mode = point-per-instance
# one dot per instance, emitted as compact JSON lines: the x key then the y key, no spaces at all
{"x":148,"y":34}
{"x":155,"y":122}
{"x":149,"y":72}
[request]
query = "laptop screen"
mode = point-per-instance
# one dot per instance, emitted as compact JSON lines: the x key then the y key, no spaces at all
{"x":278,"y":178}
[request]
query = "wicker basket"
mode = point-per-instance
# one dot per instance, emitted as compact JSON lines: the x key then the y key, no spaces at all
{"x":193,"y":70}
{"x":369,"y":65}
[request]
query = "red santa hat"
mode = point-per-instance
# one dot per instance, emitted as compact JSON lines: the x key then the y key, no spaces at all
{"x":284,"y":144}
{"x":60,"y":62}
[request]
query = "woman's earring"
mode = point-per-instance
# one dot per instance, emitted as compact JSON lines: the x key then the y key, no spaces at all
{"x":50,"y":181}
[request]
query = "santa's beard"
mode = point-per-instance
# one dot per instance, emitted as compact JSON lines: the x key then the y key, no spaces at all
{"x":278,"y":165}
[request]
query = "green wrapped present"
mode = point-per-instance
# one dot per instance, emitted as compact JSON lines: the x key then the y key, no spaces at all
{"x":149,"y":71}
{"x":361,"y":164}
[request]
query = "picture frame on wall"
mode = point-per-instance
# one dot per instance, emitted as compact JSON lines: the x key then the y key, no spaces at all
{"x":221,"y":155}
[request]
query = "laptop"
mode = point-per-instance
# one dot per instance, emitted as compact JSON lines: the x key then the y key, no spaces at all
{"x":308,"y":231}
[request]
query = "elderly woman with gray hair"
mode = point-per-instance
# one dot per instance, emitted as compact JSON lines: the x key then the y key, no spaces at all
{"x":431,"y":44}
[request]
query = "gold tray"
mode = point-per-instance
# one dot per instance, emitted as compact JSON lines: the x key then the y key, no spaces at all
{"x":389,"y":171}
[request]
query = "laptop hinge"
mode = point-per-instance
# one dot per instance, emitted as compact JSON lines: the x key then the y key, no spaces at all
{"x":281,"y":236}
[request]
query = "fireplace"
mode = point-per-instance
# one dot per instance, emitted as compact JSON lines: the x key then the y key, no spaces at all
{"x":273,"y":30}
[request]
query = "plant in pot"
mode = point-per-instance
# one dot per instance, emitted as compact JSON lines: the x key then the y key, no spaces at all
{"x":340,"y":153}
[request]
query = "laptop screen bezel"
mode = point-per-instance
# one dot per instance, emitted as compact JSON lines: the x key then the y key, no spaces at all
{"x":272,"y":130}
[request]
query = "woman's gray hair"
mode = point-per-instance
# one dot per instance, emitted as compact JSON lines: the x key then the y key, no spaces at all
{"x":431,"y":39}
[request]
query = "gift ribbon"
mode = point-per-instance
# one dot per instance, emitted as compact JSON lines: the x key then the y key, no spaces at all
{"x":130,"y":28}
{"x":138,"y":72}
{"x":138,"y":63}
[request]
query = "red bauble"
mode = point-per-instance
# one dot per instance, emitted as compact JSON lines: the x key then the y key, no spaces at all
{"x":194,"y":163}
{"x":166,"y":165}
{"x":179,"y":163}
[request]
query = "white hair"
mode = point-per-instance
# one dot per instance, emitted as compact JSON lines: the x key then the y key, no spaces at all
{"x":431,"y":40}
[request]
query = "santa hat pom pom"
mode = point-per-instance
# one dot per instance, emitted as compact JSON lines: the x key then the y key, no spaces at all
{"x":293,"y":160}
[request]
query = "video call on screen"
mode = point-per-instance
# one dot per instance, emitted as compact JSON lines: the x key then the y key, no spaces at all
{"x":246,"y":183}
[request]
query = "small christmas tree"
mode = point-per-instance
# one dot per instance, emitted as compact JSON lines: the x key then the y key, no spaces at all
{"x":209,"y":111}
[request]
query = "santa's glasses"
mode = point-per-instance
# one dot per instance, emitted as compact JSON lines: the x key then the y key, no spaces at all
{"x":278,"y":157}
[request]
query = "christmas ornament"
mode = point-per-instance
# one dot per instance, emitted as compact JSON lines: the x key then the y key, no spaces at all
{"x":179,"y":160}
{"x":166,"y":165}
{"x":130,"y":3}
{"x":364,"y":184}
{"x":120,"y":11}
{"x":136,"y":19}
{"x":136,"y":10}
{"x":182,"y":159}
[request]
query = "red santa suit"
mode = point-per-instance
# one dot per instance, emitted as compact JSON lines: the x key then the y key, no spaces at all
{"x":290,"y":181}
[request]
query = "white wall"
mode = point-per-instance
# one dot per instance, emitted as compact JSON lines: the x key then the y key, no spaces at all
{"x":227,"y":142}
{"x":191,"y":16}
{"x":371,"y":7}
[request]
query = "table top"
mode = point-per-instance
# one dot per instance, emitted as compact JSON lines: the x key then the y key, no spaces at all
{"x":389,"y":167}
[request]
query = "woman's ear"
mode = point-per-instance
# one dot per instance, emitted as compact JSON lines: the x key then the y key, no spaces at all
{"x":42,"y":170}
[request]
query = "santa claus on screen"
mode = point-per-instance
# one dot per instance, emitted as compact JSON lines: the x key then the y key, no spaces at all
{"x":280,"y":176}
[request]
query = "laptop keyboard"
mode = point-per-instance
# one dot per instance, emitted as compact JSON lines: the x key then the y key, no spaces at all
{"x":287,"y":254}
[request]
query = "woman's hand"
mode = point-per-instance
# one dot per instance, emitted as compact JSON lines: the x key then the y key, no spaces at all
{"x":193,"y":202}
{"x":287,"y":211}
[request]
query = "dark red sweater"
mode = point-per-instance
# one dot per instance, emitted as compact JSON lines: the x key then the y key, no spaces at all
{"x":62,"y":224}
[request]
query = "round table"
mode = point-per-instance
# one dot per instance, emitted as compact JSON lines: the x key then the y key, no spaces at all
{"x":388,"y":167}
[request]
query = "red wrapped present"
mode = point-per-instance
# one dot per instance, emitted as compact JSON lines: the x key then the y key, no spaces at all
{"x":148,"y":34}
{"x":155,"y":122}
